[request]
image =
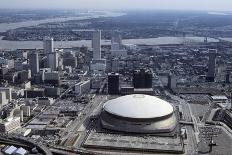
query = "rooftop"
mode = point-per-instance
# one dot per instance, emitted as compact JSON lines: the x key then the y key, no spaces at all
{"x":138,"y":106}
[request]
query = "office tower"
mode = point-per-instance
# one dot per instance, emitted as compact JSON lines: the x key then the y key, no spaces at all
{"x":227,"y":77}
{"x":116,"y":38}
{"x":82,"y":87}
{"x":8,"y":92}
{"x":3,"y":99}
{"x":96,"y":45}
{"x":171,"y":81}
{"x":142,"y":78}
{"x":117,"y":49}
{"x":53,"y":60}
{"x":18,"y":64}
{"x":115,"y":65}
{"x":211,"y":65}
{"x":52,"y":78}
{"x":113,"y":83}
{"x":48,"y":45}
{"x":3,"y":72}
{"x":69,"y":59}
{"x":98,"y":65}
{"x":26,"y":110}
{"x":34,"y":63}
{"x":23,"y":76}
{"x":52,"y":56}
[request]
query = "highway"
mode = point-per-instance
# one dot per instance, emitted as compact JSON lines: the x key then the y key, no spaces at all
{"x":83,"y":119}
{"x":191,"y":148}
{"x":56,"y":100}
{"x":23,"y":142}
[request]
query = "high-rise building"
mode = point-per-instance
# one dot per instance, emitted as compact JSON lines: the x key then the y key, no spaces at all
{"x":70,"y":61}
{"x":96,"y":45}
{"x":3,"y":72}
{"x":113,"y":83}
{"x":142,"y":78}
{"x":8,"y":92}
{"x":26,"y":110}
{"x":211,"y":65}
{"x":18,"y":64}
{"x":98,"y":65}
{"x":52,"y":77}
{"x":171,"y":81}
{"x":34,"y":63}
{"x":227,"y":77}
{"x":116,"y":38}
{"x":52,"y":55}
{"x":48,"y":45}
{"x":82,"y":87}
{"x":3,"y":100}
{"x":115,"y":65}
{"x":53,"y":60}
{"x":117,"y":49}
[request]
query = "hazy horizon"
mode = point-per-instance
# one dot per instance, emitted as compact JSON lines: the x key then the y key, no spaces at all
{"x":201,"y":5}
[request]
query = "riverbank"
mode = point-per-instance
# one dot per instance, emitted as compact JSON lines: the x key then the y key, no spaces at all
{"x":5,"y":44}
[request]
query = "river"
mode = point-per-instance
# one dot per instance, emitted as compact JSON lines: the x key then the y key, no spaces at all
{"x":5,"y":44}
{"x":9,"y":26}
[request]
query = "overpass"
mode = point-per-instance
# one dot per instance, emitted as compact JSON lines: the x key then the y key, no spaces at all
{"x":24,"y":143}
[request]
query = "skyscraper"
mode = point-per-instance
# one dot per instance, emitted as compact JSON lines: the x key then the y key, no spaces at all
{"x":96,"y":45}
{"x":98,"y":65}
{"x":3,"y":99}
{"x":34,"y":63}
{"x":116,"y":38}
{"x":52,"y":55}
{"x":171,"y":81}
{"x":48,"y":45}
{"x":211,"y":65}
{"x":113,"y":83}
{"x":142,"y":78}
{"x":227,"y":77}
{"x":53,"y":60}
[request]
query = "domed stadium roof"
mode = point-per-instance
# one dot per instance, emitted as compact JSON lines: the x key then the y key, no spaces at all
{"x":138,"y":106}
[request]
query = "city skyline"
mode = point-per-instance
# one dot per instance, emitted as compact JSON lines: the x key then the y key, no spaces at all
{"x":207,"y":5}
{"x":151,"y":82}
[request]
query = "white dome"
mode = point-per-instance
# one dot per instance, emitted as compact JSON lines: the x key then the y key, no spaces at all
{"x":138,"y":106}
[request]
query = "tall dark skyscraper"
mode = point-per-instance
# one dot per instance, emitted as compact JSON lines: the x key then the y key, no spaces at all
{"x":171,"y":81}
{"x":142,"y":78}
{"x":227,"y":77}
{"x":211,"y":65}
{"x":113,"y":83}
{"x":34,"y":63}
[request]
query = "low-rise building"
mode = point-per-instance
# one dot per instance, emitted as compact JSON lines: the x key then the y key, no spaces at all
{"x":219,"y":98}
{"x":33,"y":93}
{"x":9,"y":124}
{"x":26,"y":110}
{"x":52,"y":91}
{"x":45,"y":101}
{"x":8,"y":92}
{"x":82,"y":87}
{"x":51,"y":77}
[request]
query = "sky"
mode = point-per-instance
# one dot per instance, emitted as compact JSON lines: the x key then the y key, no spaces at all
{"x":207,"y":5}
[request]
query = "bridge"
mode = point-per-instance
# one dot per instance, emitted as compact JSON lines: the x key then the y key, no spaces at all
{"x":186,"y":123}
